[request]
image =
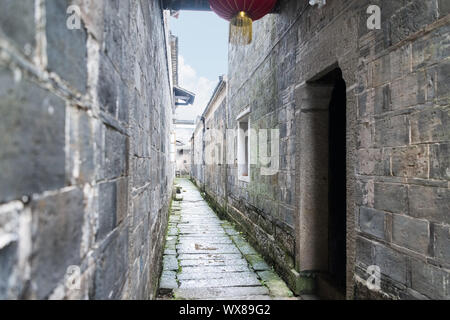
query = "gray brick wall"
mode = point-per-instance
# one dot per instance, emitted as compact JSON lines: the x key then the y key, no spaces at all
{"x":84,"y":132}
{"x":261,"y":76}
{"x":404,"y":128}
{"x":397,"y":140}
{"x":215,"y":174}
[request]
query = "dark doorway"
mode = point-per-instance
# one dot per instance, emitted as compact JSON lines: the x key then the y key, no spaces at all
{"x":337,"y":186}
{"x":323,"y":211}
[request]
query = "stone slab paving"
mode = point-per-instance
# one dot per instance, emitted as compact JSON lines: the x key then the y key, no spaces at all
{"x":206,"y":258}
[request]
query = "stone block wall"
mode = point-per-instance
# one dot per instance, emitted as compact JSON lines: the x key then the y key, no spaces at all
{"x":85,"y":118}
{"x":403,"y":201}
{"x":197,"y":159}
{"x":397,"y":137}
{"x":215,"y":151}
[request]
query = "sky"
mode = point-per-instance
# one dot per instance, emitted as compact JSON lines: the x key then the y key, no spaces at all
{"x":203,"y":56}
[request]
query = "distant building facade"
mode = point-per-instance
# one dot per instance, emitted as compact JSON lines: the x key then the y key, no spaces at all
{"x":208,"y":156}
{"x":183,"y":132}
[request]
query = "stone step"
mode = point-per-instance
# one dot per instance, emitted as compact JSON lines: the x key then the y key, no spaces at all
{"x":207,"y":263}
{"x":210,"y":256}
{"x":219,"y":283}
{"x":219,"y":293}
{"x":214,"y":275}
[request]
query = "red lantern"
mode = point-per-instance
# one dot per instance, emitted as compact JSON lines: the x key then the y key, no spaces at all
{"x":241,"y":14}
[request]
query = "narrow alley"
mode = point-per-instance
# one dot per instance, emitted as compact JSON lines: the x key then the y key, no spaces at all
{"x":213,"y":149}
{"x":206,"y":257}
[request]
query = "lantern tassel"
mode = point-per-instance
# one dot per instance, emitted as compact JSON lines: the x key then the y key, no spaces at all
{"x":241,"y":29}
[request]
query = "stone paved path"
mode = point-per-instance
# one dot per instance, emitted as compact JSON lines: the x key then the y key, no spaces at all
{"x":206,"y":258}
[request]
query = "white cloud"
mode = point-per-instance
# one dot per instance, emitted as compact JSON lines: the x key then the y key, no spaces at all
{"x":201,"y":86}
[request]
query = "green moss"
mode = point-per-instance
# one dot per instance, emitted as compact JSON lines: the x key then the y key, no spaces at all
{"x":276,"y":286}
{"x":218,"y":209}
{"x":302,"y":283}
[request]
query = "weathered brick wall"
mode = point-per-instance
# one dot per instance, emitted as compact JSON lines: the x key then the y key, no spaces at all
{"x":84,"y":135}
{"x":402,"y":168}
{"x":215,"y":151}
{"x":397,"y":137}
{"x":197,"y":147}
{"x":262,"y":77}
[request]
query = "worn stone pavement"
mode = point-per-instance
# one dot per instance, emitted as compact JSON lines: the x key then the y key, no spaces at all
{"x":206,"y":258}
